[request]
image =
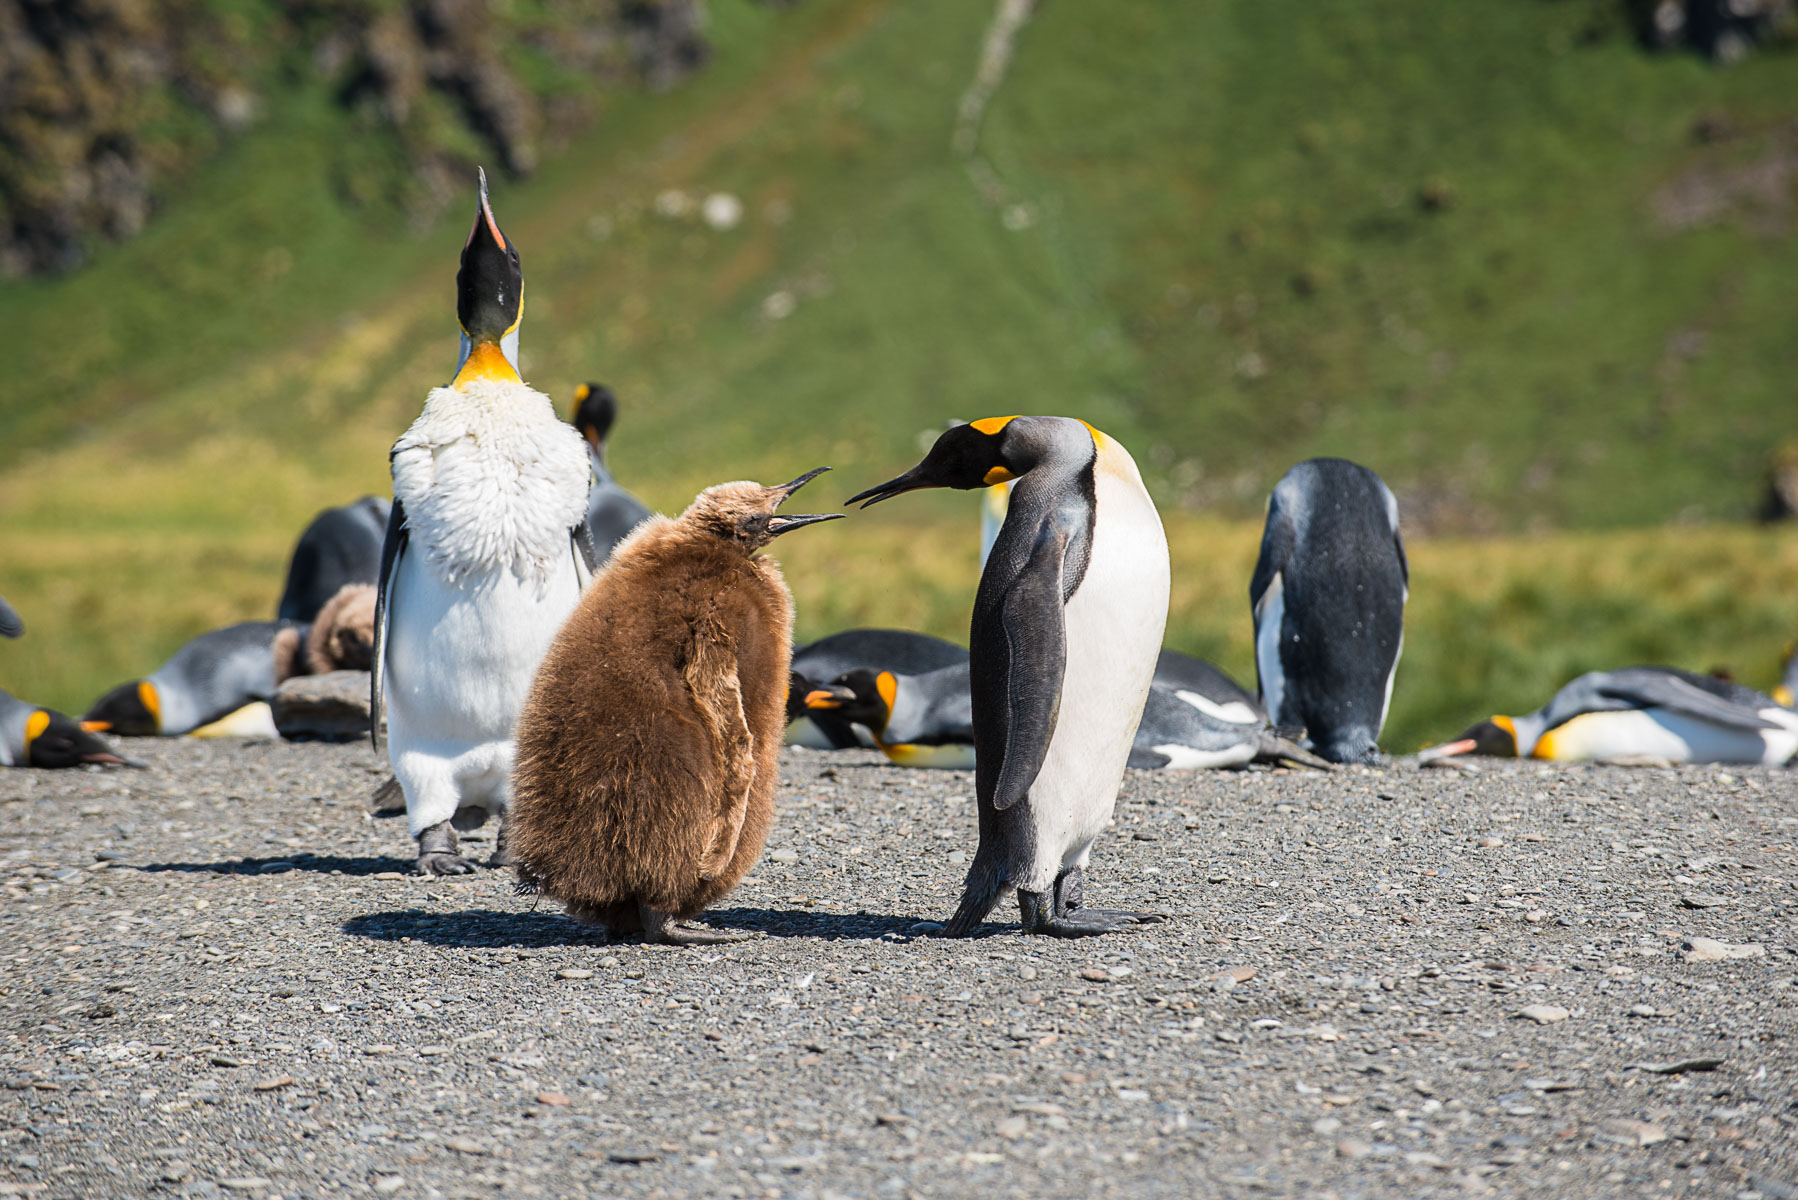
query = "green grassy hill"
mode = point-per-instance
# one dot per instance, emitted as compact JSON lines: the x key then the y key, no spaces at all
{"x":1483,"y":249}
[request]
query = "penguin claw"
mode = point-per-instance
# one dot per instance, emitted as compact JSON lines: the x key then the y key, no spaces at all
{"x":443,"y":863}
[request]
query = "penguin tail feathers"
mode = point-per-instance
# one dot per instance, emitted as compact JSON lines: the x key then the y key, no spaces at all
{"x":1277,"y":749}
{"x":389,"y":797}
{"x":985,"y":887}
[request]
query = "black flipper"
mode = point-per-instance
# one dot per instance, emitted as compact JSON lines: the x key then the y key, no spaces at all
{"x":1036,"y":657}
{"x":1276,"y":551}
{"x":582,"y":537}
{"x":10,"y":624}
{"x":1674,"y":690}
{"x":393,"y":549}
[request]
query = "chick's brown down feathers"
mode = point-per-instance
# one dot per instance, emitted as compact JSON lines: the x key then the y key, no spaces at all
{"x":647,"y":752}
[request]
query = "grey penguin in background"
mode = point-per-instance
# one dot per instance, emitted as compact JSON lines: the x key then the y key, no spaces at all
{"x":1328,"y":595}
{"x":341,"y":546}
{"x":31,"y":736}
{"x":1068,"y":620}
{"x":1641,"y":712}
{"x":897,"y":650}
{"x":212,"y":677}
{"x":612,"y":512}
{"x":10,"y":623}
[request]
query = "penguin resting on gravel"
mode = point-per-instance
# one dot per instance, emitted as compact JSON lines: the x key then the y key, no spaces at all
{"x":649,"y":749}
{"x":42,"y":737}
{"x":922,"y":720}
{"x":341,"y":546}
{"x":1329,"y":594}
{"x":1641,"y":712}
{"x":219,"y":684}
{"x":897,"y":650}
{"x":1067,"y":623}
{"x":486,"y":553}
{"x":1196,"y":717}
{"x":612,"y":512}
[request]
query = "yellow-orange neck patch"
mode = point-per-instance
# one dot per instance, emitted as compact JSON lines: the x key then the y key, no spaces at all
{"x":146,"y":692}
{"x":35,"y":725}
{"x":486,"y":361}
{"x":993,"y":424}
{"x":998,"y":475}
{"x":888,"y":687}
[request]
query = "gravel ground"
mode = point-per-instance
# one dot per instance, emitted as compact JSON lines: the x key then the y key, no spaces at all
{"x":245,"y":994}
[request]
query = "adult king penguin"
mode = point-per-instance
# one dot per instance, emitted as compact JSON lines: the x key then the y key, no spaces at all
{"x":1067,"y":623}
{"x":486,"y":553}
{"x":1329,"y":594}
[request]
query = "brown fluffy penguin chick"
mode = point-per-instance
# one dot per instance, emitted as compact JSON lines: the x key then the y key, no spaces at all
{"x":342,"y":637}
{"x":648,"y":750}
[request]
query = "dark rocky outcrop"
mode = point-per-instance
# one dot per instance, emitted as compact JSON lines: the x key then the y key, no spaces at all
{"x":323,"y":708}
{"x":103,"y":102}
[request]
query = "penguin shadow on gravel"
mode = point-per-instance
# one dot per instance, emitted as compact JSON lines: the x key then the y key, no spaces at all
{"x":281,"y":864}
{"x":545,"y":926}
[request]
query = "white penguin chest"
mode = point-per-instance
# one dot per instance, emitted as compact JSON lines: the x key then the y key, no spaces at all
{"x":491,"y":481}
{"x":1114,"y":624}
{"x":1663,"y":733}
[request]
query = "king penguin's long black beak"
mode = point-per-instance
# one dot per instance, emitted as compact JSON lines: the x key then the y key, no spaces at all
{"x":908,"y":482}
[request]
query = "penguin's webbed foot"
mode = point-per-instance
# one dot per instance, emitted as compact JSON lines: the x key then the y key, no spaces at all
{"x":437,"y":852}
{"x":662,"y":927}
{"x":502,"y":853}
{"x":1062,"y":912}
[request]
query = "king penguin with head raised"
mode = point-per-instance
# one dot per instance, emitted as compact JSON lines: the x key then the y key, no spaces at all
{"x":1067,"y":624}
{"x":486,"y":554}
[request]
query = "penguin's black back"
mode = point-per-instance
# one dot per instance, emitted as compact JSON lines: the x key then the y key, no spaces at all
{"x":1332,"y":540}
{"x":897,"y":650}
{"x":342,"y":545}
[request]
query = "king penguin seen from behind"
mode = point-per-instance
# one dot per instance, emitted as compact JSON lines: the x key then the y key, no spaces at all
{"x":1067,"y":623}
{"x":485,"y":555}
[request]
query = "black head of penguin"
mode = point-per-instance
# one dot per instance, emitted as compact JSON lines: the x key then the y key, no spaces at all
{"x":1496,"y":738}
{"x":864,"y":696}
{"x":131,"y":710}
{"x":489,"y":296}
{"x":984,"y":452}
{"x":595,"y":409}
{"x":54,"y":739}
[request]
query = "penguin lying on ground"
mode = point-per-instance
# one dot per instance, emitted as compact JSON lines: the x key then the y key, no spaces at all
{"x":228,"y":673}
{"x":486,"y":553}
{"x":612,"y":512}
{"x":1196,"y":717}
{"x":10,"y":624}
{"x":649,"y":749}
{"x":1329,"y":594}
{"x":341,"y":546}
{"x":342,"y":636}
{"x":42,"y":737}
{"x":898,"y":650}
{"x":1067,"y":623}
{"x":924,"y":720}
{"x":1648,"y":712}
